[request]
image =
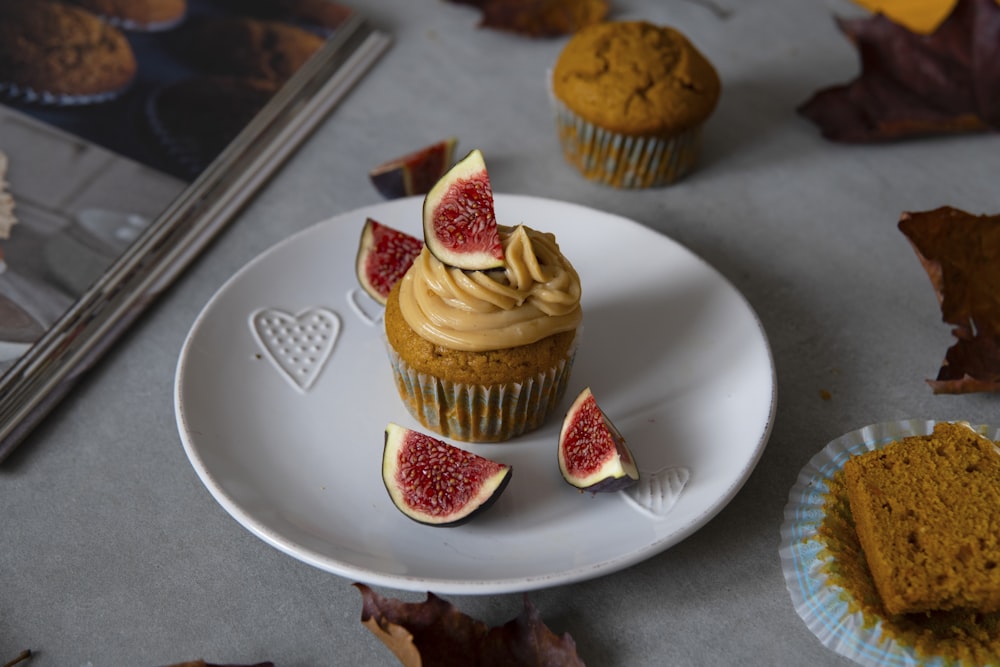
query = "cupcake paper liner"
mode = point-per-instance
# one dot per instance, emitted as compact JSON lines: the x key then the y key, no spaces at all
{"x":132,"y":25}
{"x":12,"y":92}
{"x":479,"y":413}
{"x":621,"y":160}
{"x":825,"y":607}
{"x":184,"y":152}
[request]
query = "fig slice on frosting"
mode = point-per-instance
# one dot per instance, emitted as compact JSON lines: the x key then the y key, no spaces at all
{"x":460,"y":224}
{"x":384,"y":255}
{"x":593,"y":455}
{"x":435,"y":483}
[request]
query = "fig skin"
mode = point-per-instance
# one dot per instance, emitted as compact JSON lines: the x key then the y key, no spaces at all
{"x":607,"y":485}
{"x":495,"y":483}
{"x":414,"y":173}
{"x":619,"y":470}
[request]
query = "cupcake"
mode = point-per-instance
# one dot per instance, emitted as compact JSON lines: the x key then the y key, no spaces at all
{"x":139,"y":15}
{"x":484,"y":356}
{"x":323,"y":14}
{"x":194,"y":119}
{"x":245,"y":47}
{"x":53,"y":53}
{"x":630,"y":101}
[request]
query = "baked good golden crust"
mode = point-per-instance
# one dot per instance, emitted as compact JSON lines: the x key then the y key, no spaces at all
{"x":194,"y":119}
{"x":630,"y":99}
{"x":61,"y":50}
{"x":322,"y":13}
{"x":636,"y":78}
{"x":137,"y":13}
{"x":492,"y":367}
{"x":927,"y":515}
{"x":485,"y":355}
{"x":246,"y":47}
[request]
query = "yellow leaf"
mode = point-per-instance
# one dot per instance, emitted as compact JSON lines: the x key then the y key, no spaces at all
{"x":920,"y":16}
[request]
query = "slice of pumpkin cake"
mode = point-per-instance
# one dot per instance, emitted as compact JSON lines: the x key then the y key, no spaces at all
{"x":927,"y":514}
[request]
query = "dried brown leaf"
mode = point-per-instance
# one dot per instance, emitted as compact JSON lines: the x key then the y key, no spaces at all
{"x":914,"y":84}
{"x":538,"y":18}
{"x":436,"y":634}
{"x":961,"y":254}
{"x":971,"y":365}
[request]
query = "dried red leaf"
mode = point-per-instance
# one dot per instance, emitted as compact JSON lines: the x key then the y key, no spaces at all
{"x":435,"y":632}
{"x":915,"y":85}
{"x":961,"y":254}
{"x":538,"y":18}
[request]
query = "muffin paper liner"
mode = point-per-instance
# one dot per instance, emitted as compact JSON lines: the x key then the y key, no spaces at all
{"x":823,"y":606}
{"x":480,"y":413}
{"x":621,"y":160}
{"x":132,"y":25}
{"x":12,"y":92}
{"x":184,"y":152}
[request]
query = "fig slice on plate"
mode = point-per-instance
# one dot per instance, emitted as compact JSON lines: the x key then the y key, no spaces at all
{"x":384,"y":255}
{"x":460,"y":224}
{"x":593,"y":455}
{"x":435,"y":483}
{"x":414,"y":173}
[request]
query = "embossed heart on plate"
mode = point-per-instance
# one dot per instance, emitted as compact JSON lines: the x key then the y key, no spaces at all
{"x":366,"y":308}
{"x":297,"y":345}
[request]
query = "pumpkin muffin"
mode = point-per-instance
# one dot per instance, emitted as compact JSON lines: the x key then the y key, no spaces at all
{"x":194,"y":119}
{"x":140,"y":15}
{"x":54,"y":53}
{"x":630,"y":100}
{"x":484,"y":356}
{"x":323,"y":14}
{"x":246,"y":47}
{"x":927,"y":515}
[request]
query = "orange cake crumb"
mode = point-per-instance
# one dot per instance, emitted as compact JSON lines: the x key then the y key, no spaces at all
{"x":927,"y":514}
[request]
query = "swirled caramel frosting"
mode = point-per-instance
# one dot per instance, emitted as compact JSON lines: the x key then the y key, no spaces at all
{"x":536,"y":294}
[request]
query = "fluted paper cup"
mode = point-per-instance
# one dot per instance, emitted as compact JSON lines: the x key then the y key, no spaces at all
{"x":621,"y":160}
{"x":480,"y":413}
{"x":807,"y":560}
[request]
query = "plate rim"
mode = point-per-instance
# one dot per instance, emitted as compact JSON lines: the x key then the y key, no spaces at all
{"x":521,"y":583}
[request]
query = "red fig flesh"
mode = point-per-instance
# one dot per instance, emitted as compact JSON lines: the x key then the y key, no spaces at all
{"x":384,"y":255}
{"x":414,"y":173}
{"x":593,"y":455}
{"x":435,"y":483}
{"x":460,"y":224}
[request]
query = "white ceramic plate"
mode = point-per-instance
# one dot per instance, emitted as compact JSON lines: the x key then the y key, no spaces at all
{"x":289,"y":441}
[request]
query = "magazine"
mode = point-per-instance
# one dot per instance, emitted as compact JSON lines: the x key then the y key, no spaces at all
{"x":111,"y":184}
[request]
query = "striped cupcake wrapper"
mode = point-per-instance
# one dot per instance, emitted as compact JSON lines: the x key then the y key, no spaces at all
{"x":621,"y":160}
{"x":827,"y":609}
{"x":480,"y":413}
{"x":132,"y":25}
{"x":12,"y":92}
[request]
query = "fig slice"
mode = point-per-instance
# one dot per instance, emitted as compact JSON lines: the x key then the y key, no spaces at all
{"x":384,"y":255}
{"x":414,"y":173}
{"x":593,"y":455}
{"x":435,"y":483}
{"x":460,"y":224}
